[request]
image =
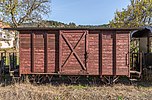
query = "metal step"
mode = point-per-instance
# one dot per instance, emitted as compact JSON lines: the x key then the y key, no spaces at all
{"x":11,"y":73}
{"x":135,"y":72}
{"x":133,"y":79}
{"x":135,"y":75}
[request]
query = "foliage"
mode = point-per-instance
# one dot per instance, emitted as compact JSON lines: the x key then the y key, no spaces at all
{"x":72,"y":24}
{"x":138,"y":13}
{"x":17,"y":12}
{"x":94,"y":26}
{"x":51,"y":23}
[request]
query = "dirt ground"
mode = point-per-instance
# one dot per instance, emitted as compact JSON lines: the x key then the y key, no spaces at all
{"x":76,"y":92}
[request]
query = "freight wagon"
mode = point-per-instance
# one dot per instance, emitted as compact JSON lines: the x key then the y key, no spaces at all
{"x":74,"y":52}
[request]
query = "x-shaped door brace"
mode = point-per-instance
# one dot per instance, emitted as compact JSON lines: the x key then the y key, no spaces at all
{"x":73,"y":51}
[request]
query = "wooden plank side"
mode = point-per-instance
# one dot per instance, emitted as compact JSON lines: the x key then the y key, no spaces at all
{"x":39,"y":52}
{"x":60,"y":52}
{"x":93,"y":50}
{"x":72,"y":51}
{"x":122,"y":53}
{"x":51,"y":48}
{"x":42,"y":43}
{"x":107,"y":52}
{"x":25,"y":52}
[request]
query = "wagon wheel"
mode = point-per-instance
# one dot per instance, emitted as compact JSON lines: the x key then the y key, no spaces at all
{"x":50,"y":78}
{"x":23,"y":79}
{"x":145,"y":74}
{"x":92,"y":81}
{"x":73,"y":79}
{"x":38,"y":79}
{"x":27,"y":79}
{"x":16,"y":80}
{"x":41,"y":79}
{"x":46,"y":79}
{"x":110,"y":79}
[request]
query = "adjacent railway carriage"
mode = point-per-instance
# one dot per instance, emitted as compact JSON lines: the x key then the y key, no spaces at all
{"x":103,"y":52}
{"x":142,"y":61}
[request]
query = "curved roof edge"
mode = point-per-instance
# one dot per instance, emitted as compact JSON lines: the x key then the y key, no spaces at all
{"x":49,"y":28}
{"x":142,"y":32}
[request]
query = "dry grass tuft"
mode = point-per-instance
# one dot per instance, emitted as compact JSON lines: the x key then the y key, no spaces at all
{"x":74,"y":92}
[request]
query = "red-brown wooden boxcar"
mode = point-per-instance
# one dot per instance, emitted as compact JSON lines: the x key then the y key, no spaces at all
{"x":77,"y":51}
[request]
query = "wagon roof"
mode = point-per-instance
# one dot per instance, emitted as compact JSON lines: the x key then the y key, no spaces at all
{"x":50,"y":28}
{"x":142,"y":32}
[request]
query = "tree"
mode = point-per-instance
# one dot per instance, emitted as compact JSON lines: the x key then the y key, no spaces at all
{"x":138,"y":13}
{"x":16,"y":12}
{"x":71,"y":24}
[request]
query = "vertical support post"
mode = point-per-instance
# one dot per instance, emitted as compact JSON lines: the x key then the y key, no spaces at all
{"x":128,"y":54}
{"x":10,"y":61}
{"x":132,"y":61}
{"x":140,"y":62}
{"x":100,"y":54}
{"x":13,"y":61}
{"x":114,"y":52}
{"x":60,"y":51}
{"x":46,"y":52}
{"x":19,"y":53}
{"x":148,"y":49}
{"x":139,"y":44}
{"x":32,"y":52}
{"x":86,"y":50}
{"x":1,"y":66}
